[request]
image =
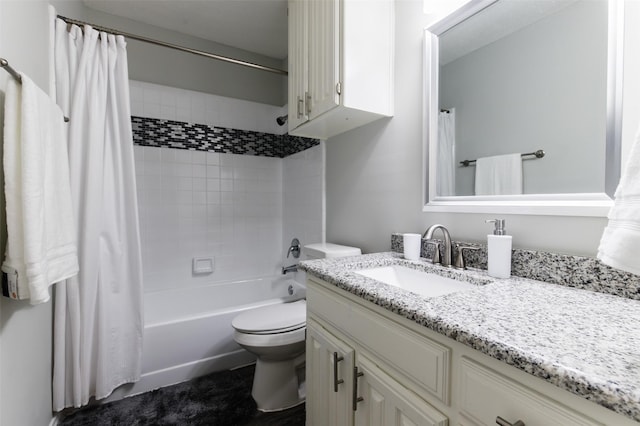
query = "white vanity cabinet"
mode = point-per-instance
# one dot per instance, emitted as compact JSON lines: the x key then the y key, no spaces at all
{"x":340,"y":65}
{"x":349,"y":380}
{"x":406,"y":374}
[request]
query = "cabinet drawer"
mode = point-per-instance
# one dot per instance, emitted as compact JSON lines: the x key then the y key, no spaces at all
{"x":486,"y":394}
{"x":422,"y":361}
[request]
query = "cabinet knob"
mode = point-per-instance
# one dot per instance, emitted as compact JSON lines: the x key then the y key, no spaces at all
{"x":336,"y":381}
{"x":503,"y":422}
{"x":356,"y":398}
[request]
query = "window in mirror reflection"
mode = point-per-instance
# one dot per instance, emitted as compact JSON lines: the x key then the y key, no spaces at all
{"x":516,"y":78}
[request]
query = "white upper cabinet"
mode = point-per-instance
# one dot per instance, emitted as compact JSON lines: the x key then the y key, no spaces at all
{"x":340,"y":65}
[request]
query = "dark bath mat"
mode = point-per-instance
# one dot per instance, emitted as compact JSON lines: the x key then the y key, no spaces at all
{"x":218,"y":399}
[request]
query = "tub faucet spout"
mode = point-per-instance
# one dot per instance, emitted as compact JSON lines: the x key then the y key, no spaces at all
{"x":290,"y":268}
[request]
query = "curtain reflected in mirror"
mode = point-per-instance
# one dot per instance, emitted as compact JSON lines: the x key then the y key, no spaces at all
{"x":446,"y":180}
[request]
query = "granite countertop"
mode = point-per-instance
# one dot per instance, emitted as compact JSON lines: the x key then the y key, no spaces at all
{"x":585,"y":342}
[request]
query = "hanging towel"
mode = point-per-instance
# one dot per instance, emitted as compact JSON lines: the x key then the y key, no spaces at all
{"x":41,"y":245}
{"x":620,"y":242}
{"x":499,"y":175}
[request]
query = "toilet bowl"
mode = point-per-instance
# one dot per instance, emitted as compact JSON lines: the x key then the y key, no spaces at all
{"x":276,"y":335}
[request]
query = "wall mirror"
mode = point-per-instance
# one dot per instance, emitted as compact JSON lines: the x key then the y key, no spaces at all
{"x":539,"y":81}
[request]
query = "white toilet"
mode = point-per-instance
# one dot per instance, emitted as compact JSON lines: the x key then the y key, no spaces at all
{"x":276,"y":335}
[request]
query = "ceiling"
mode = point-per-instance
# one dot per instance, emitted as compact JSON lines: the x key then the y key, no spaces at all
{"x":258,"y":26}
{"x":494,"y":22}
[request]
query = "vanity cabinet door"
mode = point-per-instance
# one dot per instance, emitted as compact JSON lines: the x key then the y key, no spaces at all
{"x":385,"y":402}
{"x":329,"y":381}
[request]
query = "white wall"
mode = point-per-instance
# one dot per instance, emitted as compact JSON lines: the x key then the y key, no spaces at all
{"x":374,"y":173}
{"x":542,"y":71}
{"x":171,"y":103}
{"x":25,"y":331}
{"x":173,"y":68}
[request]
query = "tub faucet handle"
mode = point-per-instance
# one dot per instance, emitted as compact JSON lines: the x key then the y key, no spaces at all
{"x":294,"y":249}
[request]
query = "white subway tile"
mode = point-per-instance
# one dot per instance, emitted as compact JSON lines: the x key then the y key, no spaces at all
{"x":213,"y":184}
{"x":213,"y":158}
{"x":199,"y":170}
{"x":226,"y":185}
{"x":199,"y":184}
{"x":184,"y":156}
{"x":199,"y":157}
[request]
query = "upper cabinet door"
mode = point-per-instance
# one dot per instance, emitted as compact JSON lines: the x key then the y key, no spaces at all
{"x":340,"y":65}
{"x":298,"y":62}
{"x":324,"y":56}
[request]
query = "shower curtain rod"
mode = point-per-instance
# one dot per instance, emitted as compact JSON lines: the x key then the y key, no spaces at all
{"x":15,"y":74}
{"x":175,"y":46}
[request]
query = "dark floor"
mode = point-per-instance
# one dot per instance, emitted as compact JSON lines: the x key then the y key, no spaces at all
{"x":218,"y":399}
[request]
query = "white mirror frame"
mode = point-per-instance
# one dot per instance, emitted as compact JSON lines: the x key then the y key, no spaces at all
{"x":584,"y":204}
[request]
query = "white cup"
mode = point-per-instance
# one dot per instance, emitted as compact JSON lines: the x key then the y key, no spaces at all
{"x":412,"y":243}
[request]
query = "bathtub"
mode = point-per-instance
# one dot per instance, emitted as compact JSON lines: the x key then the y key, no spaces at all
{"x":188,"y":331}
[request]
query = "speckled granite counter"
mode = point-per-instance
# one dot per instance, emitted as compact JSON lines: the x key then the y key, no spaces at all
{"x":585,"y":342}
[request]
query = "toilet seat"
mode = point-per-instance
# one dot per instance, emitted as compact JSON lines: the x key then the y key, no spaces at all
{"x":274,"y":319}
{"x":270,"y":340}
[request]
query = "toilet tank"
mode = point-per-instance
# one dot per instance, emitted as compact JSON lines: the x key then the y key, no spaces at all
{"x":329,"y":250}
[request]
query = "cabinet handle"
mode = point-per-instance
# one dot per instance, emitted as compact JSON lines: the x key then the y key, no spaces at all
{"x":300,"y":107}
{"x":503,"y":422}
{"x":307,"y":98}
{"x":336,"y":381}
{"x":356,"y":398}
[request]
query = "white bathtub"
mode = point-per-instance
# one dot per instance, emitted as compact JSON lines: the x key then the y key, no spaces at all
{"x":188,"y":332}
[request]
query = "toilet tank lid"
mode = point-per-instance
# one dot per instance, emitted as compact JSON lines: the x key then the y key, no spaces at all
{"x":272,"y":318}
{"x":329,"y":250}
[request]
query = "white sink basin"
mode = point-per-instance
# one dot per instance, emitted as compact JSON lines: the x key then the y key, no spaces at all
{"x":423,"y":283}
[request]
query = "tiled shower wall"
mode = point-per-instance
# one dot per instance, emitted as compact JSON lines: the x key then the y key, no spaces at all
{"x":227,"y":206}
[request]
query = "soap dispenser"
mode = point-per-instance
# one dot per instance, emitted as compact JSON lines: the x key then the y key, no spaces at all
{"x":499,"y":251}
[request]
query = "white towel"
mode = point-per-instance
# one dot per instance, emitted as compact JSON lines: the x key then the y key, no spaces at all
{"x":620,"y":242}
{"x":499,"y":175}
{"x":41,"y":246}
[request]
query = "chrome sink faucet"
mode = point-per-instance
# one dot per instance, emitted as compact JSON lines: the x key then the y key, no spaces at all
{"x":446,"y":256}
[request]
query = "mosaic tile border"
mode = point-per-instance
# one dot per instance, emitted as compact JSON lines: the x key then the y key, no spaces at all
{"x":202,"y":137}
{"x":582,"y":272}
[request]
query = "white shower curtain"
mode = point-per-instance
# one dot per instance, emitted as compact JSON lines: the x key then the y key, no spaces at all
{"x":98,"y":314}
{"x":446,"y":178}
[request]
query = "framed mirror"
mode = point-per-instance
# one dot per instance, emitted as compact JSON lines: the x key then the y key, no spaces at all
{"x":536,"y":84}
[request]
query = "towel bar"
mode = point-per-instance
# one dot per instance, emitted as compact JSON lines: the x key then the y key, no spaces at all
{"x":8,"y":68}
{"x":538,"y":154}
